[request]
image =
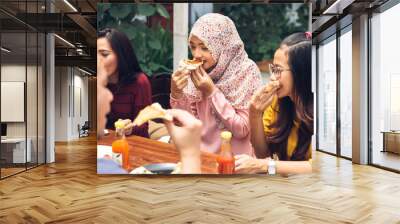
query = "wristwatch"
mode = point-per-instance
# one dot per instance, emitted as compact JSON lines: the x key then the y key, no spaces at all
{"x":271,"y":167}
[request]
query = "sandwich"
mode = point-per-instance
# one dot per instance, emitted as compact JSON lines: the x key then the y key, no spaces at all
{"x":151,"y":112}
{"x":272,"y":85}
{"x":190,"y":64}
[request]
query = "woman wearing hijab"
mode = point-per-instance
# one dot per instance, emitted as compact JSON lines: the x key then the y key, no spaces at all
{"x":218,"y":92}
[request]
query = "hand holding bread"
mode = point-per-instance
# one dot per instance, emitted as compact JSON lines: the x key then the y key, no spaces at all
{"x":202,"y":81}
{"x":179,"y":78}
{"x":150,"y":112}
{"x":264,"y":97}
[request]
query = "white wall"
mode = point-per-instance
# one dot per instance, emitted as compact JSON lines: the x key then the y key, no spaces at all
{"x":61,"y":104}
{"x":33,"y":127}
{"x":71,"y":93}
{"x":14,"y":73}
{"x":50,"y":92}
{"x":80,"y":98}
{"x":180,"y":32}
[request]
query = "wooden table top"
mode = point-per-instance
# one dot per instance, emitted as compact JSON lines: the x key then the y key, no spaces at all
{"x":146,"y":151}
{"x":391,"y":132}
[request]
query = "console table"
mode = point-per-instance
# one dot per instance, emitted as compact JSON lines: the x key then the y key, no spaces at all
{"x":16,"y":147}
{"x":391,"y":141}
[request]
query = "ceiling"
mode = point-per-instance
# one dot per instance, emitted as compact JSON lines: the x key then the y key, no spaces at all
{"x":77,"y":27}
{"x":328,"y":15}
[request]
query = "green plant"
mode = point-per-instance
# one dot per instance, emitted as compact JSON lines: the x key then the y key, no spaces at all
{"x":263,"y":26}
{"x":152,"y":44}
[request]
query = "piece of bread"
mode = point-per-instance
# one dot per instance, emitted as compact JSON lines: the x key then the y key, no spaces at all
{"x":271,"y":85}
{"x":153,"y":111}
{"x":190,"y":64}
{"x":122,"y":123}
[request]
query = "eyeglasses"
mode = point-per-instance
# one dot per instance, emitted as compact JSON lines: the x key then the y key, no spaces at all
{"x":276,"y":70}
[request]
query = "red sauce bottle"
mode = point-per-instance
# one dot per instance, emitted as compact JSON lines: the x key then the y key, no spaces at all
{"x":226,"y":160}
{"x":120,"y":147}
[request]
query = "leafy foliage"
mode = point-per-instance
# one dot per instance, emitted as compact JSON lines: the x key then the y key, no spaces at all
{"x":263,"y":26}
{"x":152,"y":45}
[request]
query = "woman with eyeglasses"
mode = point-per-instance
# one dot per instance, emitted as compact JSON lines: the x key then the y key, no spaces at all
{"x":281,"y":113}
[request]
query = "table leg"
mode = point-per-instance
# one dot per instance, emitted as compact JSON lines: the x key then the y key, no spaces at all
{"x":384,"y":142}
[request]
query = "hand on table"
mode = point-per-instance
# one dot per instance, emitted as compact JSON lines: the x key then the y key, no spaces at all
{"x":249,"y":165}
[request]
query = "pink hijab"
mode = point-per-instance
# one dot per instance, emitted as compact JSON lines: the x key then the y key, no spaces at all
{"x":235,"y":75}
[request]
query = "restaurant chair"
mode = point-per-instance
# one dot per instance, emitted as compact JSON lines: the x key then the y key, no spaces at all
{"x":84,"y":130}
{"x":161,"y":88}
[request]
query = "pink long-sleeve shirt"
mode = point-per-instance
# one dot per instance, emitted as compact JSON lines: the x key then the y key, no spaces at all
{"x":234,"y":120}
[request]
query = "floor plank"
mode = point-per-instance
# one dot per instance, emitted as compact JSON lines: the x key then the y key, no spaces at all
{"x":387,"y":159}
{"x":70,"y":191}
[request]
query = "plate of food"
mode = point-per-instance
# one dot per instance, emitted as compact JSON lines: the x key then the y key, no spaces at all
{"x":158,"y":168}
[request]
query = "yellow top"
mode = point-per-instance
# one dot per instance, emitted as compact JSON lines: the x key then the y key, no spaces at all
{"x":226,"y":135}
{"x":270,"y":115}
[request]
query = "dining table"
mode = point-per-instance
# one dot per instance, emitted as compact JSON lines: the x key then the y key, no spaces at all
{"x":145,"y":151}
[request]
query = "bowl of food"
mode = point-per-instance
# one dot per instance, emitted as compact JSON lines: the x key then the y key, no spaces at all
{"x":158,"y":168}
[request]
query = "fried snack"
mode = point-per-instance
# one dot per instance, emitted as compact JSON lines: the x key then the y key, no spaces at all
{"x":120,"y":123}
{"x":153,"y":111}
{"x":190,"y":64}
{"x":125,"y":125}
{"x":271,"y":85}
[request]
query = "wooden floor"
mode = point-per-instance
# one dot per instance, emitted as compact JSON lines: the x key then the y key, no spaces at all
{"x":70,"y":191}
{"x":10,"y":171}
{"x":387,"y":159}
{"x":5,"y":172}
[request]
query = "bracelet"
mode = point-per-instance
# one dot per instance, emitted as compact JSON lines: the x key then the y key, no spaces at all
{"x":271,"y":166}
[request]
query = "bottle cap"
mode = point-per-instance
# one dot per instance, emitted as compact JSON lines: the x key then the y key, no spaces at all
{"x":226,"y":135}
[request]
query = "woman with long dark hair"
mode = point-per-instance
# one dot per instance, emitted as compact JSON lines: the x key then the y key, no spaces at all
{"x":281,"y":113}
{"x":127,"y":82}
